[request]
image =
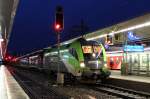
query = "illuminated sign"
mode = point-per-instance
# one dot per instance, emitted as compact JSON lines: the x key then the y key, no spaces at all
{"x":132,"y":36}
{"x":133,"y":48}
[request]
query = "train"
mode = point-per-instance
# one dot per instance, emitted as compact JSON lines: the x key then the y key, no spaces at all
{"x":114,"y":60}
{"x":80,"y":58}
{"x":137,"y":61}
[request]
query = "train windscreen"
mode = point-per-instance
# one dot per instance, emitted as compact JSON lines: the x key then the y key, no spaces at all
{"x":92,"y":52}
{"x":97,"y":51}
{"x":87,"y":49}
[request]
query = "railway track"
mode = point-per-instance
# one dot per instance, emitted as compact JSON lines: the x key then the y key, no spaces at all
{"x":36,"y":90}
{"x":121,"y":92}
{"x":31,"y":86}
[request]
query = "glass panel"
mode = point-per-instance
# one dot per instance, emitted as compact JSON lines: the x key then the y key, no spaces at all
{"x":148,"y":56}
{"x":144,"y":61}
{"x":97,"y":50}
{"x":87,"y":49}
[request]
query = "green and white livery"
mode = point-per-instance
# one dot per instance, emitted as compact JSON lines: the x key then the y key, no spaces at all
{"x":80,"y":58}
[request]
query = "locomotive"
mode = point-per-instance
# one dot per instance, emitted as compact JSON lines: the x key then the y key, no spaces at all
{"x":80,"y":58}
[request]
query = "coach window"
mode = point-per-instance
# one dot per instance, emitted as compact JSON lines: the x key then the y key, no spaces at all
{"x":73,"y":52}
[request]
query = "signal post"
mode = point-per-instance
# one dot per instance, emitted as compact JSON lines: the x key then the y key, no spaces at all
{"x":59,"y":26}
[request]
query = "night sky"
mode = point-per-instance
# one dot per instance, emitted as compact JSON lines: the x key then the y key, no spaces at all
{"x":34,"y":20}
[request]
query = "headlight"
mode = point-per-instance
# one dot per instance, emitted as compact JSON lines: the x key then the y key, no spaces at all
{"x":94,"y":55}
{"x":105,"y":65}
{"x":82,"y":64}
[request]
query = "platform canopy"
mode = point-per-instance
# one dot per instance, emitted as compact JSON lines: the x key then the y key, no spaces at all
{"x":7,"y":13}
{"x":33,"y":26}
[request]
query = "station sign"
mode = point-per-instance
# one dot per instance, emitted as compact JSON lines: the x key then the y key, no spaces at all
{"x":133,"y":48}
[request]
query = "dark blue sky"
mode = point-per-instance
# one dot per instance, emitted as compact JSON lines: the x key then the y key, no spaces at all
{"x":33,"y":24}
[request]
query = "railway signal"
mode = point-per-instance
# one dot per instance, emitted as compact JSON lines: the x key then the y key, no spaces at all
{"x":59,"y":19}
{"x":59,"y":25}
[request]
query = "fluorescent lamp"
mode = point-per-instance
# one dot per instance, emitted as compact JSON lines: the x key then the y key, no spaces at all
{"x":1,"y":40}
{"x":123,"y":30}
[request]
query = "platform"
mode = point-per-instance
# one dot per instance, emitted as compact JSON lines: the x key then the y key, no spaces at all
{"x":117,"y":74}
{"x":9,"y":88}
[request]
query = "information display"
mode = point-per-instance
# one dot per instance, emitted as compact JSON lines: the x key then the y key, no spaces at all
{"x":133,"y":48}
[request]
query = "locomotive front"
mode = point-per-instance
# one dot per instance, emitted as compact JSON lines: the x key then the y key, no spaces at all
{"x":94,"y":60}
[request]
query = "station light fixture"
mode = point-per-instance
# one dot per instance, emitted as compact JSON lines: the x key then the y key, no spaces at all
{"x":1,"y":40}
{"x":123,"y":30}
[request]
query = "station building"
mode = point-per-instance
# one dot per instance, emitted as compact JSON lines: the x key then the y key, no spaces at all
{"x":127,"y":45}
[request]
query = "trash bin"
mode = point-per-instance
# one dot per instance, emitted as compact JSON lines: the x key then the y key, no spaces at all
{"x":124,"y":69}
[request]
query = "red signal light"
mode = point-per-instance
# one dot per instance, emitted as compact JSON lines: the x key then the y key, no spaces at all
{"x":6,"y":58}
{"x":57,"y":27}
{"x":14,"y":59}
{"x":9,"y":57}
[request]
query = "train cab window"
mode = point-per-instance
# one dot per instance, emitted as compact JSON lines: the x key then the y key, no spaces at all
{"x":73,"y":52}
{"x":98,"y":51}
{"x":87,"y":49}
{"x":92,"y":52}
